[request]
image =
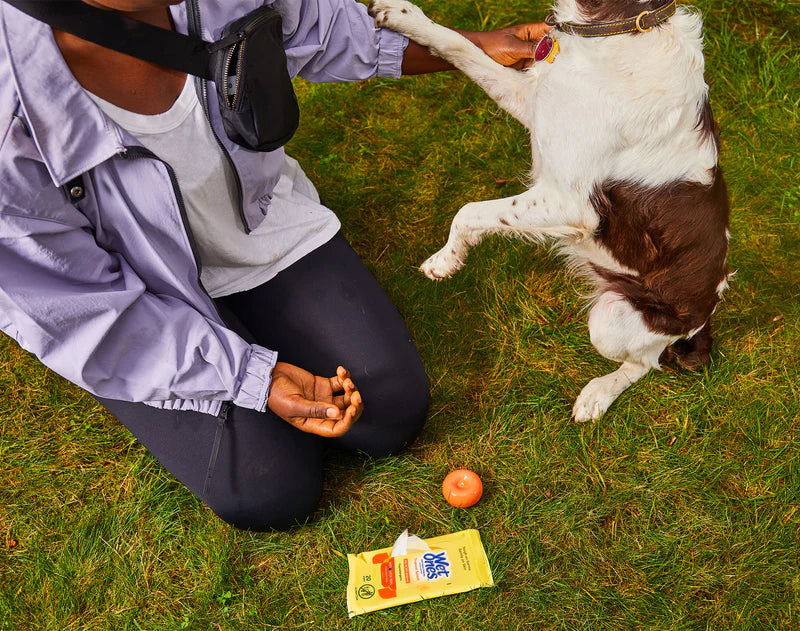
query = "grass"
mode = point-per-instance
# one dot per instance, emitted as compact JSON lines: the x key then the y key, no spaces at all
{"x":678,"y":510}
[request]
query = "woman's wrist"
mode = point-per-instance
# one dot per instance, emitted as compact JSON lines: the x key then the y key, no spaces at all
{"x":476,"y":37}
{"x":419,"y":60}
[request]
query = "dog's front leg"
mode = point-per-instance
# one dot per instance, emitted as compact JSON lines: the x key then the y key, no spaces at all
{"x":537,"y":213}
{"x":509,"y":88}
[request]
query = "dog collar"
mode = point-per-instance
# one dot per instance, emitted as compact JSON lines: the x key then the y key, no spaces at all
{"x":642,"y":23}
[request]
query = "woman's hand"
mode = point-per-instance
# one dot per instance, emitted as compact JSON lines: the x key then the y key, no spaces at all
{"x":317,"y":405}
{"x":513,"y":46}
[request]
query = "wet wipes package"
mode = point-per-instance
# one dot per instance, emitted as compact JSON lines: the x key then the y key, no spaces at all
{"x":416,"y":569}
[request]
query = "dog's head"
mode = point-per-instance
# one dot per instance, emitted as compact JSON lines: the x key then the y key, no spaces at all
{"x":594,"y":11}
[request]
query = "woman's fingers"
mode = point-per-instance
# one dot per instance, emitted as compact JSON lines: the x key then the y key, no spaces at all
{"x":298,"y":407}
{"x":328,"y":427}
{"x":339,"y":380}
{"x":324,"y":419}
{"x":350,"y":401}
{"x":343,"y":383}
{"x":357,"y":403}
{"x":532,"y":32}
{"x":348,"y":398}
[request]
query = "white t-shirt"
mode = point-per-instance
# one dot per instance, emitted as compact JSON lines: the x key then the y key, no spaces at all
{"x":231,"y":260}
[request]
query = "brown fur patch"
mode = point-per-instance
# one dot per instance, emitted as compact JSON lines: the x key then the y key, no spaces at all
{"x":706,"y":124}
{"x":674,"y":236}
{"x":613,"y":10}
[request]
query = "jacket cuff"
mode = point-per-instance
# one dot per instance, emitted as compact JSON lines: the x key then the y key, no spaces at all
{"x":391,"y":47}
{"x":254,"y":390}
{"x":204,"y":406}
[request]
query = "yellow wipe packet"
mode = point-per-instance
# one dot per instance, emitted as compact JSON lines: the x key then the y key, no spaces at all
{"x":416,"y":569}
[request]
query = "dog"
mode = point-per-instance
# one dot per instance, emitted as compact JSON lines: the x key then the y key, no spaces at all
{"x":625,"y":178}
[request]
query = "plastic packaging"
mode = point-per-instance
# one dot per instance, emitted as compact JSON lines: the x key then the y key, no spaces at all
{"x":415,"y":569}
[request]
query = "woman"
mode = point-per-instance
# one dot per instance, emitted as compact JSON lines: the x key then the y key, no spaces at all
{"x":195,"y":288}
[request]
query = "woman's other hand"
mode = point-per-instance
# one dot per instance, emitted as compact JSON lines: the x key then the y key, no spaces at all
{"x":513,"y":46}
{"x":325,"y":406}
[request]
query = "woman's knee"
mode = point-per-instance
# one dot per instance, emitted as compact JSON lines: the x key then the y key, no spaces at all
{"x":275,"y":504}
{"x":413,"y":409}
{"x":394,"y":414}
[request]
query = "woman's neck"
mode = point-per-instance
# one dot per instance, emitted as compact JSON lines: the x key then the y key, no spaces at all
{"x":127,"y":82}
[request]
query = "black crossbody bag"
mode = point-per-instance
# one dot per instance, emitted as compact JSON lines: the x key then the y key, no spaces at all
{"x":247,"y":64}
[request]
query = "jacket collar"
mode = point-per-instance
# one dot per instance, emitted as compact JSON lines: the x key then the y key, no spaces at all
{"x":70,"y":131}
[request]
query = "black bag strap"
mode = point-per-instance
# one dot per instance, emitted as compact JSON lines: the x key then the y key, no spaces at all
{"x":113,"y":30}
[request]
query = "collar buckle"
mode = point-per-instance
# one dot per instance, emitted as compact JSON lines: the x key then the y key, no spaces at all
{"x":639,"y":18}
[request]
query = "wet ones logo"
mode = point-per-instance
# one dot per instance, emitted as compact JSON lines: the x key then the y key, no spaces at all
{"x":436,"y":565}
{"x":430,"y":566}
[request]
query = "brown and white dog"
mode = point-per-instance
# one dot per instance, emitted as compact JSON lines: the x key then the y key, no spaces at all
{"x":625,"y":176}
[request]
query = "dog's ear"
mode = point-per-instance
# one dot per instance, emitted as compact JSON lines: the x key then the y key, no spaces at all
{"x":590,"y":7}
{"x":610,"y":10}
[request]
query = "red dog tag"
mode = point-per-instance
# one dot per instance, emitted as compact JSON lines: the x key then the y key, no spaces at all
{"x":546,"y":49}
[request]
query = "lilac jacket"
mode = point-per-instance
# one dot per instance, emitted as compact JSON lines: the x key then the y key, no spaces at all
{"x":105,"y":290}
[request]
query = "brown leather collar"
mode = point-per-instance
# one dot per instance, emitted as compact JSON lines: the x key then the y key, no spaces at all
{"x":642,"y":23}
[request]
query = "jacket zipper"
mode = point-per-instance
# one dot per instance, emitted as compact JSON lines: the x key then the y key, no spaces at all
{"x":222,"y":418}
{"x":139,"y":153}
{"x":193,"y":13}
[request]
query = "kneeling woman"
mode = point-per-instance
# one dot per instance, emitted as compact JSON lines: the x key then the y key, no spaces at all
{"x":199,"y":290}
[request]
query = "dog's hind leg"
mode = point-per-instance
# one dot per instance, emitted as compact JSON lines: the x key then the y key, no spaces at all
{"x":619,"y":333}
{"x":509,"y":88}
{"x":537,"y":213}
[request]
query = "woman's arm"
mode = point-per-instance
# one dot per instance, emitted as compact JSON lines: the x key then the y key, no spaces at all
{"x":87,"y":315}
{"x":336,"y":40}
{"x":513,"y":46}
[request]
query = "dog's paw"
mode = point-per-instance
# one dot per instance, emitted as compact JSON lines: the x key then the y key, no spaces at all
{"x":441,"y":265}
{"x":593,"y":401}
{"x":397,"y":15}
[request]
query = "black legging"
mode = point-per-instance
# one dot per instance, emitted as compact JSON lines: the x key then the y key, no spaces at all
{"x":324,"y":311}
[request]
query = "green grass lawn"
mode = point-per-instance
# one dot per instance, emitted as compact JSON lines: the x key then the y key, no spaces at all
{"x":680,"y":509}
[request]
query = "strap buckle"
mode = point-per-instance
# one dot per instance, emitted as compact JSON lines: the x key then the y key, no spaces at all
{"x":639,"y":22}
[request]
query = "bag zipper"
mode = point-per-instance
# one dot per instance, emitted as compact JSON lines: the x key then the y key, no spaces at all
{"x":195,"y":29}
{"x":239,"y":45}
{"x":228,"y":59}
